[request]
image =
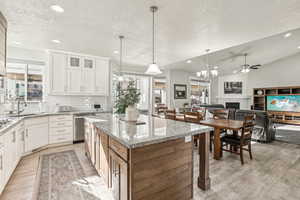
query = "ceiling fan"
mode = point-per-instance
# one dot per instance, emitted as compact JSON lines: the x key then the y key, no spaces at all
{"x":246,"y":67}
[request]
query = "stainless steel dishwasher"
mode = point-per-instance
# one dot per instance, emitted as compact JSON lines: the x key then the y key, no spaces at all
{"x":79,"y":127}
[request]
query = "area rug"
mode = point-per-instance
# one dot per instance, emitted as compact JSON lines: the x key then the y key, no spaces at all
{"x":61,"y":177}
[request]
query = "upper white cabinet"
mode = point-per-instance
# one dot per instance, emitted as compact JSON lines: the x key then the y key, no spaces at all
{"x":3,"y":39}
{"x":57,"y":72}
{"x":101,"y":86}
{"x":75,"y":74}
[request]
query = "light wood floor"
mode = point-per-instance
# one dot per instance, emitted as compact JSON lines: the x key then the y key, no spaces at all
{"x":274,"y":174}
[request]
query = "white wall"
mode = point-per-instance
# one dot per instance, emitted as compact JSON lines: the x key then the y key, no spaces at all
{"x":243,"y":98}
{"x":177,"y":77}
{"x":284,"y":72}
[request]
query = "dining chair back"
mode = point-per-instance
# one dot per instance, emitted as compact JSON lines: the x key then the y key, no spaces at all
{"x":193,"y":117}
{"x":247,"y":129}
{"x":161,"y":109}
{"x":220,"y":114}
{"x":170,"y":114}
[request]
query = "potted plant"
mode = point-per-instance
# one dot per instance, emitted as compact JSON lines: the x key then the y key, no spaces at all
{"x":127,"y":100}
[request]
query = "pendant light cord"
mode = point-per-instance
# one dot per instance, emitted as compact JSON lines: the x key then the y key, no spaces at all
{"x":153,"y":35}
{"x":121,"y":53}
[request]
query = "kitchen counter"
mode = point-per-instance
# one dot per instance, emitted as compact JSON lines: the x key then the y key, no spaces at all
{"x":13,"y":121}
{"x":155,"y":130}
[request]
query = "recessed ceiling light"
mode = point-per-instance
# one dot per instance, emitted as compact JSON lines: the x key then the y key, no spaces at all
{"x":56,"y":41}
{"x":116,"y":52}
{"x":287,"y":35}
{"x":16,"y":42}
{"x":298,"y":47}
{"x":188,"y":61}
{"x":57,"y":8}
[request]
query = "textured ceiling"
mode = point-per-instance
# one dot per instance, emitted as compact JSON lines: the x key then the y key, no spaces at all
{"x":185,"y":27}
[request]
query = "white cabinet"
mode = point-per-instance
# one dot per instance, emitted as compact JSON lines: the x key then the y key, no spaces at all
{"x":88,"y":75}
{"x":2,"y":175}
{"x":60,"y":129}
{"x":74,"y":81}
{"x":102,"y":82}
{"x":75,"y":74}
{"x":20,"y":131}
{"x":3,"y":43}
{"x":36,"y":133}
{"x":57,"y":71}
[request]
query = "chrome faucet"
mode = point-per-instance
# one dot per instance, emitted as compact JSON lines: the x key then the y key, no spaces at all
{"x":19,"y":102}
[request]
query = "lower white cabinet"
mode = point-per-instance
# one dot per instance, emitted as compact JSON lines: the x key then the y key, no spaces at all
{"x":2,"y":175}
{"x":29,"y":135}
{"x":60,"y":129}
{"x":36,"y":134}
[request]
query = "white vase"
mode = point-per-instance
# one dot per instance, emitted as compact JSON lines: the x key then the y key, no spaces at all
{"x":131,"y":113}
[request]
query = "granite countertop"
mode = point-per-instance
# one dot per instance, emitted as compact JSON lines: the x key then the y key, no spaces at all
{"x":13,"y":121}
{"x":155,"y":130}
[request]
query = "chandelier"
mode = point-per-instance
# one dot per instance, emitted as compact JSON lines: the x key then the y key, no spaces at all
{"x":209,"y":72}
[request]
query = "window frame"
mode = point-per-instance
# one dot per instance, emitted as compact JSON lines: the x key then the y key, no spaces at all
{"x":26,"y":70}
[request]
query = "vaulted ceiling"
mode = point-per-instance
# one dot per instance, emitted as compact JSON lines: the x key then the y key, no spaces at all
{"x":185,"y":28}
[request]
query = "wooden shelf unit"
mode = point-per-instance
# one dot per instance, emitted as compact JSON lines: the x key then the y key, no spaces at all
{"x":260,"y":103}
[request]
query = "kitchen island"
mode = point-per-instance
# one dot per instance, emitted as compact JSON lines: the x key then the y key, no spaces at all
{"x":150,"y":159}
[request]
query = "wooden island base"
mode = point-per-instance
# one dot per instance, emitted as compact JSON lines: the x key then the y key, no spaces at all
{"x":151,"y":172}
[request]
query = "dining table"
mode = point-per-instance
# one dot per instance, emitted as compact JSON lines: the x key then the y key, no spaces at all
{"x":219,"y":125}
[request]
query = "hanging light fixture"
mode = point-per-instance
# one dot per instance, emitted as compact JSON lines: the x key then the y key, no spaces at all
{"x":121,"y":78}
{"x":207,"y":74}
{"x":153,"y":68}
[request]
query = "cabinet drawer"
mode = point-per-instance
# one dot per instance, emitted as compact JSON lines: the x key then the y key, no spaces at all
{"x":36,"y":121}
{"x":61,"y":131}
{"x":60,"y":138}
{"x":61,"y":124}
{"x":118,"y":148}
{"x":59,"y":118}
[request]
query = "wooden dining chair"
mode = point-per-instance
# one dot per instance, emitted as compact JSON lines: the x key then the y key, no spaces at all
{"x":218,"y":114}
{"x":239,"y":141}
{"x":161,"y":109}
{"x":170,"y":114}
{"x":193,"y":117}
{"x":201,"y":110}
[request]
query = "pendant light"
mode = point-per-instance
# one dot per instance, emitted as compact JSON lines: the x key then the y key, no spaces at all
{"x":207,"y":74}
{"x":121,"y":78}
{"x":153,"y":68}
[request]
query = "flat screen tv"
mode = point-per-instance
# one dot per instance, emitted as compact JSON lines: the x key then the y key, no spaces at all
{"x":289,"y":103}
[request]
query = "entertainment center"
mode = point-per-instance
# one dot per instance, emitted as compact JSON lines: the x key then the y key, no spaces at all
{"x":281,"y":103}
